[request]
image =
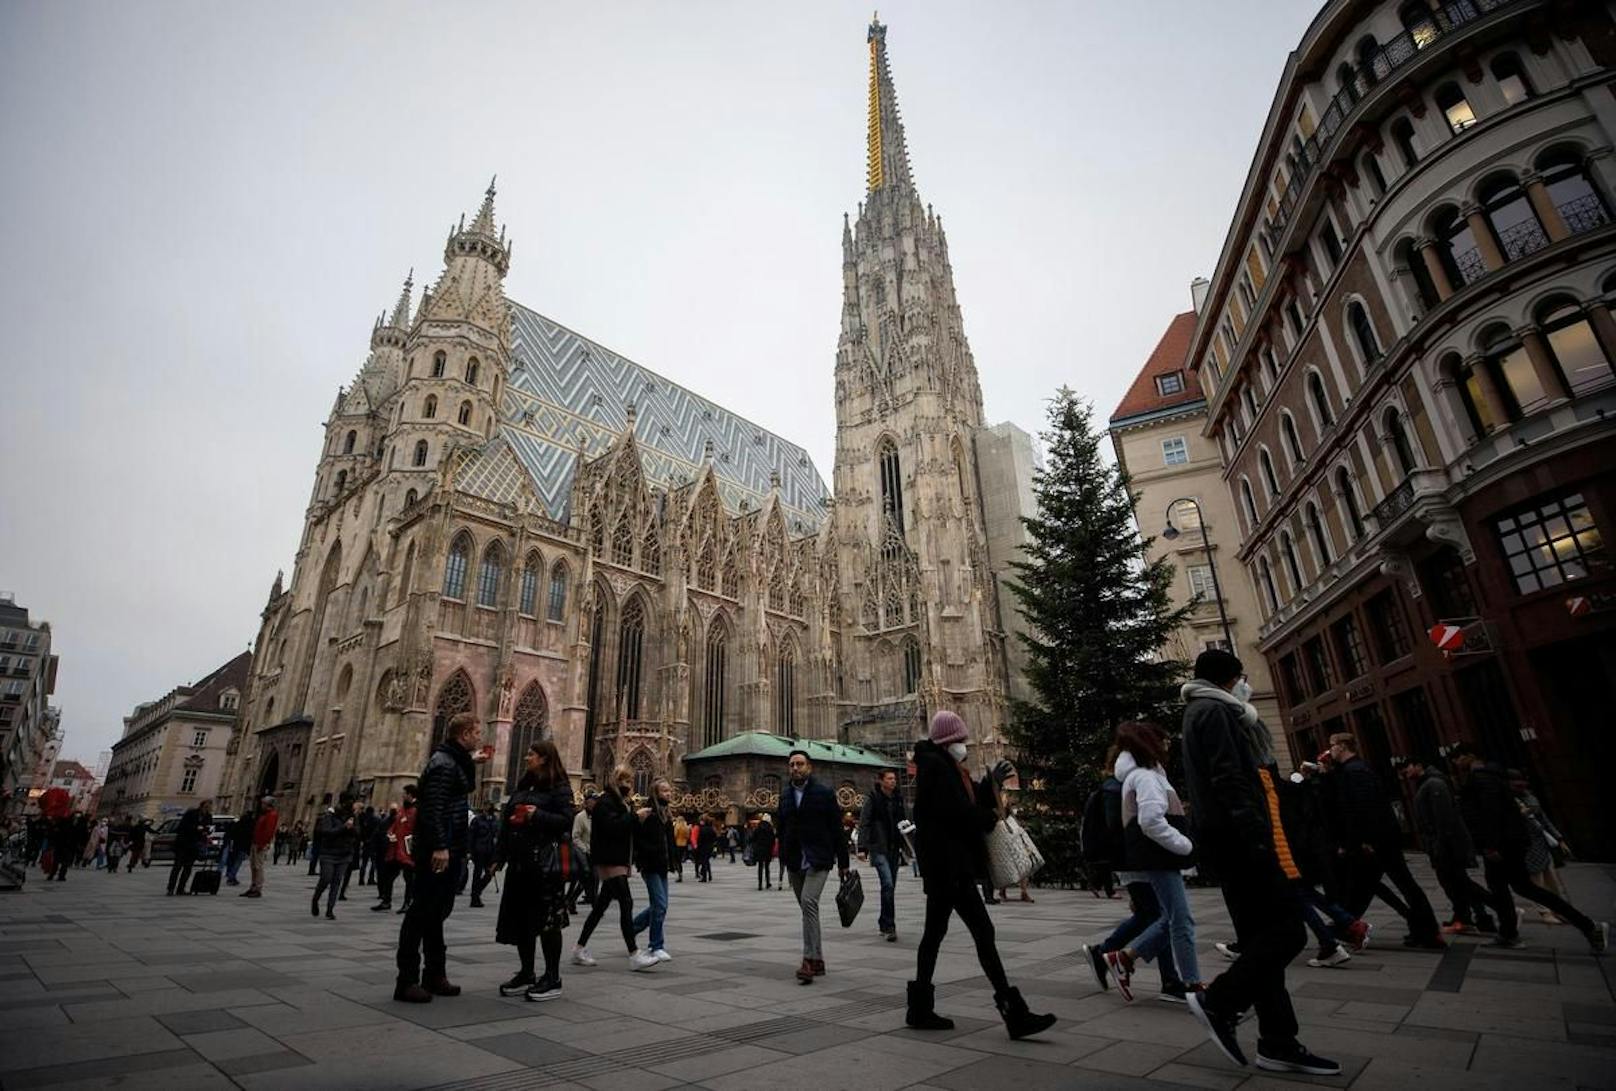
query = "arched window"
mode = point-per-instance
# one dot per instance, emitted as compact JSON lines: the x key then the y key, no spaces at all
{"x":1402,"y":447}
{"x":597,"y":532}
{"x":410,"y":497}
{"x":891,"y":482}
{"x":1320,"y":400}
{"x":630,"y":647}
{"x":1287,"y":549}
{"x":465,"y":413}
{"x":644,"y":771}
{"x":347,"y":444}
{"x":1363,"y":333}
{"x":488,"y":577}
{"x":440,"y":360}
{"x":529,"y":597}
{"x":1248,"y":503}
{"x":1293,"y":442}
{"x":1402,"y":132}
{"x":429,"y":407}
{"x":1511,"y":77}
{"x":911,"y":666}
{"x":731,"y":575}
{"x":342,"y":480}
{"x":471,"y":371}
{"x":1511,"y":367}
{"x":651,"y":552}
{"x":707,"y":567}
{"x":1417,"y":20}
{"x":1265,"y":580}
{"x":777,"y":586}
{"x":1576,"y":351}
{"x":1371,"y":168}
{"x":1347,"y":80}
{"x":1509,"y":214}
{"x":1315,"y":531}
{"x":1455,"y":107}
{"x":1571,"y":190}
{"x":420,"y":452}
{"x":527,"y":727}
{"x":623,"y":542}
{"x":785,"y":692}
{"x":1349,"y":503}
{"x":713,"y":685}
{"x":455,"y":697}
{"x":558,"y":592}
{"x":1408,"y":257}
{"x":1371,"y":62}
{"x":594,"y":713}
{"x":1456,"y":248}
{"x":1265,"y":462}
{"x":454,"y":569}
{"x":406,"y":574}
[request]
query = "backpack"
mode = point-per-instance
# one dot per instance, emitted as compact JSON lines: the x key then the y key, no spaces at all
{"x":1101,"y":836}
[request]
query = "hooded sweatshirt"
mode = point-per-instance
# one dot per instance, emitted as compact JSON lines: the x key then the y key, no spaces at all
{"x":1148,"y":797}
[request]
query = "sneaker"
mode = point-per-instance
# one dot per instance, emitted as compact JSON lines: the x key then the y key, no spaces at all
{"x":1510,"y":943}
{"x":1458,"y":928}
{"x":1230,"y":950}
{"x":1173,"y":993}
{"x":1335,"y":956}
{"x":1220,"y":1028}
{"x":661,"y":954}
{"x":1357,"y":934}
{"x":642,"y":960}
{"x":546,"y":988}
{"x":380,"y":907}
{"x":1120,"y":973}
{"x":582,"y":957}
{"x":892,"y":937}
{"x":1096,"y":959}
{"x":1425,"y":943}
{"x":1599,"y":938}
{"x":1486,"y":925}
{"x":1295,"y":1059}
{"x":517,"y":984}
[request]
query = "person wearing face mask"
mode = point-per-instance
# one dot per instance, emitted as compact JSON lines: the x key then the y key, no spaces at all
{"x":810,"y":841}
{"x":611,"y":840}
{"x":953,"y":817}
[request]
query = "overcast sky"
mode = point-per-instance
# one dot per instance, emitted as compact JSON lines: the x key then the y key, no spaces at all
{"x":206,"y":205}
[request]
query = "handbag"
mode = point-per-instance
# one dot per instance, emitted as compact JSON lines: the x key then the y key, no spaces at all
{"x":1008,"y":863}
{"x":554,"y":859}
{"x":850,"y":898}
{"x":1035,"y":859}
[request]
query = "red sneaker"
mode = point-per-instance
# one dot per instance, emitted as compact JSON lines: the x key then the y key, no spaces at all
{"x":1121,"y":973}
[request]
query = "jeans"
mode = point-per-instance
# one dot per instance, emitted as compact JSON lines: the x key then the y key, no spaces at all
{"x":1175,"y":927}
{"x":943,"y":903}
{"x":420,"y":935}
{"x":886,"y":869}
{"x":480,"y":876}
{"x":1315,"y":908}
{"x":333,"y":871}
{"x":1506,"y":875}
{"x":807,"y":886}
{"x":1145,"y":912}
{"x":1267,"y":919}
{"x":237,"y":855}
{"x":656,"y":912}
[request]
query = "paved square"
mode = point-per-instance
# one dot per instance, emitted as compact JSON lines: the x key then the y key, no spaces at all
{"x":106,"y":982}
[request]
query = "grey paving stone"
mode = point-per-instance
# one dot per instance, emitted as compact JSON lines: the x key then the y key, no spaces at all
{"x":261,"y":1062}
{"x":225,"y":1045}
{"x":79,"y":1071}
{"x":528,"y":1049}
{"x":196,"y":1022}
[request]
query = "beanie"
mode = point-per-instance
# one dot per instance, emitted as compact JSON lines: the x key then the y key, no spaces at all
{"x":946,"y":728}
{"x":1218,"y":666}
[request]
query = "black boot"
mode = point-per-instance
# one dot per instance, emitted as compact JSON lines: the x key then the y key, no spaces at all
{"x":921,"y":1016}
{"x":1020,"y":1022}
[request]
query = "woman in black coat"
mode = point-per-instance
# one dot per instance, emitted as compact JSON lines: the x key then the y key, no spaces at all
{"x":611,"y":847}
{"x":953,"y":817}
{"x":535,"y":829}
{"x":763,"y":850}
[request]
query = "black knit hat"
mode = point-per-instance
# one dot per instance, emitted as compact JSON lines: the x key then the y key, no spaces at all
{"x":1218,"y":666}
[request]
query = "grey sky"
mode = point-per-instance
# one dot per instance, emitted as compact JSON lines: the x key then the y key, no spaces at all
{"x":206,"y":205}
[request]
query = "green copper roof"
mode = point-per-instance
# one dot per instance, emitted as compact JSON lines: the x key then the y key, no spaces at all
{"x":762,"y":744}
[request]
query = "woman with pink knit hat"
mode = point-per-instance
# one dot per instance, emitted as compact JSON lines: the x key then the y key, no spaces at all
{"x":953,"y":817}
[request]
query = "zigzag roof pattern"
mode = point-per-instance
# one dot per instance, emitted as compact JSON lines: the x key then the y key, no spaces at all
{"x":567,"y":392}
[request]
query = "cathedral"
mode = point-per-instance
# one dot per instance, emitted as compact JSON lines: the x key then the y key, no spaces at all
{"x":510,"y":519}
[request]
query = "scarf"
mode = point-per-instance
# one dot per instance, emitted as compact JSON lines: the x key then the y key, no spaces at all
{"x":1257,"y":736}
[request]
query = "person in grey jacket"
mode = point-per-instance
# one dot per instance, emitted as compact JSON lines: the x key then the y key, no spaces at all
{"x":1447,"y":844}
{"x":880,"y":841}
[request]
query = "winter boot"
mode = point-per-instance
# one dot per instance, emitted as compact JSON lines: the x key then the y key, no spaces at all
{"x":1018,"y":1021}
{"x":921,"y":1016}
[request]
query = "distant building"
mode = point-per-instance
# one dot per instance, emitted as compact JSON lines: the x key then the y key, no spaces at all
{"x":74,"y":779}
{"x":173,"y":750}
{"x":27,"y":721}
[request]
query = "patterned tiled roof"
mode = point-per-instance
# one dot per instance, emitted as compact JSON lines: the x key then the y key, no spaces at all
{"x":1169,"y":355}
{"x":567,"y":390}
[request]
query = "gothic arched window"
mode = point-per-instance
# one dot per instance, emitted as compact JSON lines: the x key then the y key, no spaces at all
{"x":471,"y":371}
{"x":1363,"y":333}
{"x":623,"y":542}
{"x":886,"y":457}
{"x":429,"y":408}
{"x":732,"y":577}
{"x":594,"y":714}
{"x":489,"y":576}
{"x":465,"y":413}
{"x":630,"y":648}
{"x":706,"y":567}
{"x":347,"y":444}
{"x":651,"y":552}
{"x":911,"y":666}
{"x":420,"y":452}
{"x":530,"y":585}
{"x":558,"y":591}
{"x":1402,"y":447}
{"x":454,"y":569}
{"x":528,"y":727}
{"x":440,"y":360}
{"x":1349,"y":502}
{"x":454,"y":698}
{"x":644,"y":771}
{"x":1247,"y":503}
{"x":1321,"y":400}
{"x":716,"y":668}
{"x":785,"y":692}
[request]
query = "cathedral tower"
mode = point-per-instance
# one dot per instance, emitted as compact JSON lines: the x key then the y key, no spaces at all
{"x":920,"y":617}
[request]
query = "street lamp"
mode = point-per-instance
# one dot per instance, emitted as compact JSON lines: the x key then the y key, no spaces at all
{"x":1170,"y":532}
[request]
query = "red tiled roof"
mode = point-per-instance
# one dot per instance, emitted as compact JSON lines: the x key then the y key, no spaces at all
{"x":1169,"y":356}
{"x":205,"y":694}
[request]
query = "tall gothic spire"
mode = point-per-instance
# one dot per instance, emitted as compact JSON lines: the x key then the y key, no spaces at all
{"x":888,"y":165}
{"x":401,"y":310}
{"x":480,"y":238}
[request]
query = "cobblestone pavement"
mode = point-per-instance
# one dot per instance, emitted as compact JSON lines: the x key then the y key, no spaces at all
{"x":106,"y":982}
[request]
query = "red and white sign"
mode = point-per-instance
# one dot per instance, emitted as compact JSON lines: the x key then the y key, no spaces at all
{"x":1578,"y":606}
{"x":1449,"y":638}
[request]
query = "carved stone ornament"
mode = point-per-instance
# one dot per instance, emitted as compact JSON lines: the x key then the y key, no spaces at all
{"x":398,"y":691}
{"x":507,"y":692}
{"x":423,"y":681}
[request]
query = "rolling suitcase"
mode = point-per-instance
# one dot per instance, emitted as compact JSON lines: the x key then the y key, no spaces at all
{"x":205,"y":879}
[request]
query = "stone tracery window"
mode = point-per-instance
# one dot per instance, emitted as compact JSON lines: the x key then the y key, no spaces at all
{"x":651,"y":552}
{"x":715,"y":673}
{"x":630,"y":648}
{"x":527,"y":727}
{"x":886,"y":456}
{"x":785,"y":692}
{"x":623,"y":542}
{"x":558,"y":591}
{"x":488,"y":578}
{"x":529,"y":598}
{"x":454,"y":698}
{"x":454,"y":569}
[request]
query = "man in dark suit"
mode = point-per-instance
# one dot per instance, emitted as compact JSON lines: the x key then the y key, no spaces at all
{"x":810,"y":841}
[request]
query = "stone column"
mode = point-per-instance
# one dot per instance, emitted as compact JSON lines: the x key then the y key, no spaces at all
{"x":1543,"y":366}
{"x":1435,"y":269}
{"x":1448,"y":397}
{"x":1604,"y":327}
{"x":1492,"y":398}
{"x":1491,"y":255}
{"x":1548,"y":215}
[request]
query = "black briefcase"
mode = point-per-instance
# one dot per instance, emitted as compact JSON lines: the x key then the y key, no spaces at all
{"x":850,"y":899}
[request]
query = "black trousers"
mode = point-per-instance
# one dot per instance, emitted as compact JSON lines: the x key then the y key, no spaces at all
{"x":420,"y":934}
{"x":613,"y":889}
{"x":179,"y":875}
{"x":1267,"y":921}
{"x":1509,"y":874}
{"x":941,"y":904}
{"x":480,"y":875}
{"x":1470,"y":899}
{"x":763,"y":873}
{"x":386,"y":872}
{"x":1387,"y":860}
{"x":582,"y":883}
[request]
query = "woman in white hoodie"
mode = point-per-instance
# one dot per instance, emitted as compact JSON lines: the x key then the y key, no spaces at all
{"x":1156,"y":850}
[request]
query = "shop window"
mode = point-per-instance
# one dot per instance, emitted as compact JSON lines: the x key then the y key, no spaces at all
{"x":1552,"y":542}
{"x":1387,"y":627}
{"x":1443,"y":576}
{"x":1349,"y":645}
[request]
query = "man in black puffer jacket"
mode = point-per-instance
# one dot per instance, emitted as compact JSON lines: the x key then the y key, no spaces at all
{"x":439,"y":852}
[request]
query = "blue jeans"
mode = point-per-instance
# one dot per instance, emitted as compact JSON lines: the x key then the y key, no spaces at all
{"x":1175,"y":927}
{"x":1146,"y":912}
{"x":886,"y":869}
{"x":656,"y":893}
{"x":1314,"y":907}
{"x":234,"y":857}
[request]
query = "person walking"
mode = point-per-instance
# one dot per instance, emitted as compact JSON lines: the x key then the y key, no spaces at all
{"x":537,"y":821}
{"x":880,"y":842}
{"x":810,"y":842}
{"x":481,"y":841}
{"x":1499,"y":830}
{"x":583,"y":871}
{"x":1545,"y":843}
{"x":681,"y":846}
{"x":705,"y":838}
{"x":140,"y":843}
{"x":763,"y":851}
{"x":611,"y":843}
{"x":400,"y":841}
{"x":238,"y":845}
{"x":338,"y":837}
{"x":95,"y":848}
{"x":653,"y":851}
{"x":1447,"y":845}
{"x":1235,"y":821}
{"x":189,"y":836}
{"x":440,"y":844}
{"x":368,"y":821}
{"x":953,"y":817}
{"x":1156,"y":847}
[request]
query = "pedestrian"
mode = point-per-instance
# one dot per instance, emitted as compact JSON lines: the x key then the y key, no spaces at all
{"x":1370,"y":844}
{"x":537,"y":821}
{"x":266,"y":831}
{"x":338,"y":836}
{"x":1499,"y":830}
{"x":401,"y":839}
{"x":583,"y":872}
{"x":238,"y":845}
{"x":480,"y":842}
{"x":140,"y":847}
{"x":387,"y":867}
{"x":611,"y":841}
{"x":653,"y":851}
{"x":189,"y":837}
{"x":368,"y":821}
{"x":1545,"y":842}
{"x":706,"y":838}
{"x":440,"y":844}
{"x":953,"y":817}
{"x":1313,"y":852}
{"x":64,"y":847}
{"x":115,"y":849}
{"x":1447,"y":845}
{"x":1157,"y":849}
{"x":1094,"y":837}
{"x":732,"y":841}
{"x":1235,"y":820}
{"x":95,"y":848}
{"x":881,"y":843}
{"x":681,"y":841}
{"x":314,"y":843}
{"x":810,"y":842}
{"x":763,"y":850}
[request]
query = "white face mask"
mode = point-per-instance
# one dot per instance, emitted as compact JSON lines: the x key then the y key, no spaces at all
{"x":956,"y":750}
{"x":1242,"y":690}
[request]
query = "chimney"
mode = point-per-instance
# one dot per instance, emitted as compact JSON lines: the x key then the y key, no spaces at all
{"x":1198,"y":290}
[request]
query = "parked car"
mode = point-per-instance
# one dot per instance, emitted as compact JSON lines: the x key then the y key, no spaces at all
{"x":162,"y":846}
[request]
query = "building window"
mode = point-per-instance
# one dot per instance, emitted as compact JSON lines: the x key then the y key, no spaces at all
{"x":1293,"y":442}
{"x":1247,"y":502}
{"x":1293,"y":318}
{"x":1331,"y":241}
{"x":1315,"y":531}
{"x":1443,"y":576}
{"x":230,"y":701}
{"x":420,"y":452}
{"x":1350,"y":646}
{"x":1349,"y":503}
{"x":1200,"y":576}
{"x":623,"y":543}
{"x":471,"y":371}
{"x":1387,"y":627}
{"x":1403,"y":137}
{"x":1363,"y":333}
{"x":1512,"y":371}
{"x":465,"y":413}
{"x":1511,"y":78}
{"x":1265,"y":580}
{"x":785,"y":695}
{"x":558,"y":592}
{"x":1318,"y":664}
{"x":891,"y":484}
{"x":1371,"y":167}
{"x":630,"y":644}
{"x":1509,"y":214}
{"x":489,"y":576}
{"x":1451,"y":101}
{"x":1402,"y":447}
{"x":348,"y":443}
{"x":1571,"y":190}
{"x":1171,"y":383}
{"x":1572,"y":343}
{"x":1416,"y":19}
{"x":188,"y":781}
{"x":1186,"y":515}
{"x":1291,"y":677}
{"x":199,"y":739}
{"x":1320,"y":400}
{"x":1293,"y":567}
{"x":1550,"y":543}
{"x":713,"y":703}
{"x":1175,"y":451}
{"x":1456,"y":248}
{"x":1265,"y":463}
{"x":911,"y":666}
{"x":530,"y":587}
{"x":1248,"y":398}
{"x":439,"y":362}
{"x":454,"y":569}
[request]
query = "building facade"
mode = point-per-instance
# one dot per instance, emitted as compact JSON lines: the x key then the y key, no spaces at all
{"x":78,"y":782}
{"x":174,"y":750}
{"x":510,"y":519}
{"x":1406,"y":351}
{"x":1158,"y":435}
{"x":28,"y":723}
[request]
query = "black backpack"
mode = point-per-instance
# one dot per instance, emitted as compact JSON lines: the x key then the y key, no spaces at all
{"x":1101,"y":837}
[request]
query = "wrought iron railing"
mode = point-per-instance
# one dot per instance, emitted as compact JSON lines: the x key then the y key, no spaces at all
{"x":1471,"y":267}
{"x":1584,"y":214}
{"x":1396,"y":503}
{"x":1519,"y":240}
